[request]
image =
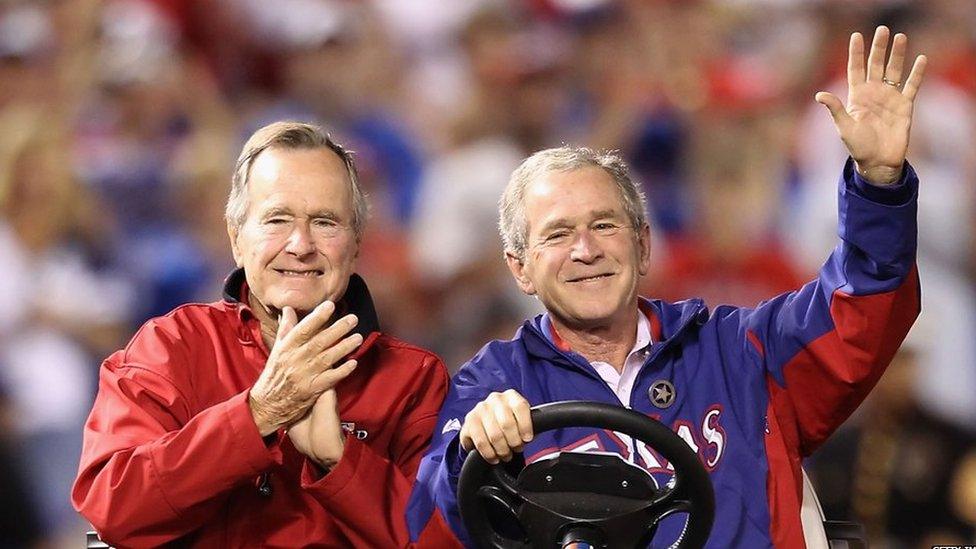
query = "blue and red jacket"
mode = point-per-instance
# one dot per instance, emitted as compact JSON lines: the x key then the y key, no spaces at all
{"x":758,"y":389}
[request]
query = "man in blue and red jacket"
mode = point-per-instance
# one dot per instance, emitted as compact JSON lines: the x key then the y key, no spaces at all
{"x":752,"y":391}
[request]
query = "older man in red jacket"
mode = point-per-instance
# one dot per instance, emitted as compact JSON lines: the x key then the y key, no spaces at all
{"x":280,"y":416}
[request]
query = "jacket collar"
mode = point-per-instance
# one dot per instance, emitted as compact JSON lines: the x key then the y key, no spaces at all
{"x":356,"y":300}
{"x":670,"y":322}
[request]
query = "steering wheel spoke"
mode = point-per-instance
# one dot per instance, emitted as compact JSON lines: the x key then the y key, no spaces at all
{"x":502,"y":477}
{"x":673,"y":502}
{"x":555,"y":507}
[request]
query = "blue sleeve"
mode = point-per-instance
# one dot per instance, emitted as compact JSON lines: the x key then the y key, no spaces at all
{"x":825,"y":345}
{"x":437,"y":478}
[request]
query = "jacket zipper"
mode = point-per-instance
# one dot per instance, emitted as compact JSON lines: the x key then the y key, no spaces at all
{"x":587,"y":369}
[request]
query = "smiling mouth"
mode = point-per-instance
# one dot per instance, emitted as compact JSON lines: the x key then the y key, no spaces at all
{"x":300,"y":274}
{"x":591,"y":278}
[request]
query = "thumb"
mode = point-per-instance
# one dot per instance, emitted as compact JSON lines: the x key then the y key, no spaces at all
{"x":836,"y":107}
{"x":287,"y":321}
{"x":329,"y":397}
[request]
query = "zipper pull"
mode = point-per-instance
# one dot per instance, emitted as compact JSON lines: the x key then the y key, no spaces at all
{"x":264,"y":485}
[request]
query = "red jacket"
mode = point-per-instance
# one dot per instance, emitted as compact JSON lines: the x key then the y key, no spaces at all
{"x":171,"y":451}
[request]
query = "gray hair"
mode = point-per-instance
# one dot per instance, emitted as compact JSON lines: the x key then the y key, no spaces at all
{"x":512,"y":223}
{"x":291,"y":135}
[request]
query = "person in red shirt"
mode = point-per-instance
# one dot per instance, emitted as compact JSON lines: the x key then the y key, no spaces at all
{"x":280,"y":416}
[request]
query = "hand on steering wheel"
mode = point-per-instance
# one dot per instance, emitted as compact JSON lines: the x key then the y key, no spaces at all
{"x":597,"y":499}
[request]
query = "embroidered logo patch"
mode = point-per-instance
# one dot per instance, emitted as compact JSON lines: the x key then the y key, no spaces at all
{"x":349,"y":427}
{"x":453,"y":424}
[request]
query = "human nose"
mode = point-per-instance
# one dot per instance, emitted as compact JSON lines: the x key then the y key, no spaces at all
{"x":585,"y":247}
{"x":300,"y":241}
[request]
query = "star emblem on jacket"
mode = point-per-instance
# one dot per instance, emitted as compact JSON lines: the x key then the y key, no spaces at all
{"x":662,"y":393}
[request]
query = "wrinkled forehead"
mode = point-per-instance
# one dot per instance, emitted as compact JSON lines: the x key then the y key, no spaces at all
{"x":278,"y":163}
{"x":316,"y":178}
{"x":580,"y":195}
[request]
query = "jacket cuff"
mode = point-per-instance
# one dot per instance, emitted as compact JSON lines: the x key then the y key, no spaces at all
{"x":332,"y":482}
{"x":259,"y":453}
{"x":454,"y":457}
{"x":894,"y":194}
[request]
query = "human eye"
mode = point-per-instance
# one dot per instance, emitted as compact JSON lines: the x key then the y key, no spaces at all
{"x":327,"y":226}
{"x":557,"y":236}
{"x":606,"y":227}
{"x":276,"y":220}
{"x":325,"y":222}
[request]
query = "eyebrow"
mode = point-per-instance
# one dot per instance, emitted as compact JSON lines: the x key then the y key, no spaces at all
{"x":563,"y":223}
{"x":321,"y":214}
{"x":326,"y":214}
{"x":275,"y":211}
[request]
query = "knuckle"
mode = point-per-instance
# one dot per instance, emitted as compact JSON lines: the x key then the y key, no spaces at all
{"x":515,"y":399}
{"x":497,"y":440}
{"x":483,"y":447}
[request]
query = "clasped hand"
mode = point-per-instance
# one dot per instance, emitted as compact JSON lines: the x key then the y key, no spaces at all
{"x":296,"y":389}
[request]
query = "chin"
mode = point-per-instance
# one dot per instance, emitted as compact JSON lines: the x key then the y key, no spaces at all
{"x":587,"y":317}
{"x":301,"y":304}
{"x":597,"y":315}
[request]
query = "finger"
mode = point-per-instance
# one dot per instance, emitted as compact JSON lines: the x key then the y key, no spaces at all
{"x":842,"y":120}
{"x":325,"y":414}
{"x":327,"y":338}
{"x":505,"y":418}
{"x":496,"y":437}
{"x":876,"y":58}
{"x":331,"y":395}
{"x":326,"y":358}
{"x":313,"y":321}
{"x":855,"y":60}
{"x":328,"y":379}
{"x":479,"y":439}
{"x":915,"y":77}
{"x":523,"y":415}
{"x":467,"y":443}
{"x":897,"y":60}
{"x":286,"y":322}
{"x":329,"y":399}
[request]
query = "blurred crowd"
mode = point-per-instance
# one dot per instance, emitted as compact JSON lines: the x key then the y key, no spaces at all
{"x":120,"y":121}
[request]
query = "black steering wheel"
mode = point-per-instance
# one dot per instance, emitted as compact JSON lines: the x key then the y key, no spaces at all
{"x":596,"y":499}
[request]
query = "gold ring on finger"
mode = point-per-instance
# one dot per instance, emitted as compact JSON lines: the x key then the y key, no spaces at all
{"x":890,"y":82}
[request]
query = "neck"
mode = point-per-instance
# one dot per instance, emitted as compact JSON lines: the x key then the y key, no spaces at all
{"x":610,"y":343}
{"x":267,"y":316}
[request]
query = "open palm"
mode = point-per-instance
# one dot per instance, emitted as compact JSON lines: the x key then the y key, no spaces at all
{"x":876,"y":123}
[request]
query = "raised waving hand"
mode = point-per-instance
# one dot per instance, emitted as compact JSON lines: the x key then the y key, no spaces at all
{"x":877,"y":120}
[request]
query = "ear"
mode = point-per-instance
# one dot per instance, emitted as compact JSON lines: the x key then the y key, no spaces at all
{"x":232,"y":233}
{"x":644,"y":249}
{"x":517,"y":266}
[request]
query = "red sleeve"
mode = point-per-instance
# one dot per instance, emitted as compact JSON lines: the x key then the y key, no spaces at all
{"x":367,"y":492}
{"x":149,"y":472}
